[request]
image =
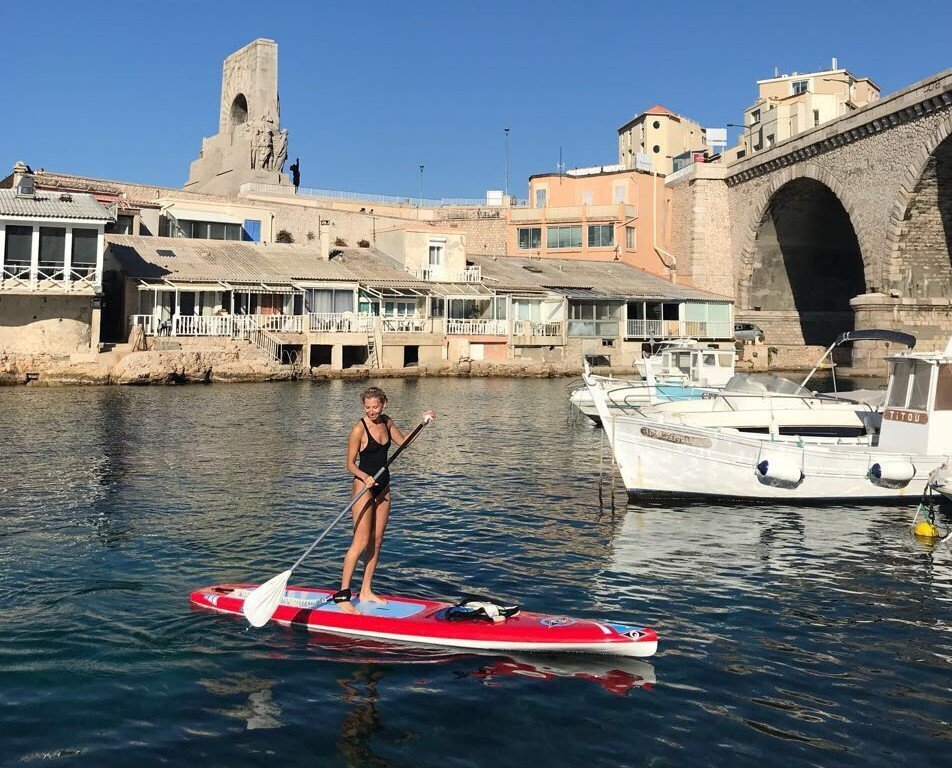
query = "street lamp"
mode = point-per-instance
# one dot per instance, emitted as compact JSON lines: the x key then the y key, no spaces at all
{"x":747,"y":142}
{"x":506,"y":188}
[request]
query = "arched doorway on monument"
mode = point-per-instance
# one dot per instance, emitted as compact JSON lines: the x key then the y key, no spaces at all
{"x":239,"y":110}
{"x":806,"y":267}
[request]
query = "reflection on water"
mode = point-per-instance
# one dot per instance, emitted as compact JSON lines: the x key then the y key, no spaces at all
{"x":812,"y":636}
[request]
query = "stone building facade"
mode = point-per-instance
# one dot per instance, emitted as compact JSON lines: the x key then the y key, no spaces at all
{"x":843,"y":225}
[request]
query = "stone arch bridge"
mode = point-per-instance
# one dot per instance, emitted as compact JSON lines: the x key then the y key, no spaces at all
{"x":848,"y":225}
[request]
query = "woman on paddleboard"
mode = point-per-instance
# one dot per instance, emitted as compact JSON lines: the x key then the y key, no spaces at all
{"x":367,"y":448}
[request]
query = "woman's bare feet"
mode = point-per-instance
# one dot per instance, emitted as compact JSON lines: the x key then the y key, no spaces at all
{"x":366,"y":596}
{"x":348,"y":608}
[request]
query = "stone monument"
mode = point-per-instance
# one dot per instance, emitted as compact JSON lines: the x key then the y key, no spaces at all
{"x":250,"y":144}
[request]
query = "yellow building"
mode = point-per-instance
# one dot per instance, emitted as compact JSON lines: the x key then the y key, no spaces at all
{"x":790,"y":104}
{"x":658,"y":134}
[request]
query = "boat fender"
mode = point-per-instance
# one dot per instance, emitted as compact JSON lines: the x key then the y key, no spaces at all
{"x":480,"y":609}
{"x":892,"y":471}
{"x":779,"y":469}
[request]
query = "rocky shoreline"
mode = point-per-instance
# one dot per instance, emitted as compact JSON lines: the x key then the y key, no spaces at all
{"x":160,"y":367}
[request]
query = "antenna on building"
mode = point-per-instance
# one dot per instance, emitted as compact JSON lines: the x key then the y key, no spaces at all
{"x":560,"y":168}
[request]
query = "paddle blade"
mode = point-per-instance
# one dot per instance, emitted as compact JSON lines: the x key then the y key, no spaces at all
{"x":261,"y":604}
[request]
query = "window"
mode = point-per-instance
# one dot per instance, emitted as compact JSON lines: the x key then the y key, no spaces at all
{"x":631,"y":238}
{"x":124,"y":225}
{"x":601,"y":235}
{"x":84,"y":251}
{"x":19,"y":243}
{"x":816,"y":117}
{"x":755,"y":116}
{"x":656,"y":125}
{"x":529,"y":237}
{"x":204,"y":230}
{"x":619,"y":194}
{"x":919,"y":394}
{"x":436,"y":255}
{"x":943,"y":389}
{"x":656,"y":149}
{"x":563,"y":237}
{"x":328,"y":300}
{"x":770,"y":140}
{"x":799,"y":86}
{"x":399,"y":308}
{"x":593,"y":318}
{"x":52,"y":249}
{"x":900,"y":384}
{"x":540,"y":198}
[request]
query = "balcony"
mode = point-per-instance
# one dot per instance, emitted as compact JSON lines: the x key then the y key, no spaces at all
{"x":572,"y":213}
{"x":479,"y":327}
{"x":692,"y":329}
{"x":50,"y":278}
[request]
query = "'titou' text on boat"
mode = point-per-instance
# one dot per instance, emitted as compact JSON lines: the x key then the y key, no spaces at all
{"x":915,"y":437}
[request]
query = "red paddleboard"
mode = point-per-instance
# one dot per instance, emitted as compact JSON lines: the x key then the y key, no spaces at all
{"x":422,"y":622}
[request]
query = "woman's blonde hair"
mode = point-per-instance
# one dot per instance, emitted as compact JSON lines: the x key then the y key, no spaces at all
{"x":375,"y":392}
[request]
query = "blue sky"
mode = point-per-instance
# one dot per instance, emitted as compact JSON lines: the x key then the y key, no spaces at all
{"x":370,"y":91}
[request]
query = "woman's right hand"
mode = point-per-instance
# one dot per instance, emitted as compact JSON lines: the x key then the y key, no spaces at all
{"x":369,"y":481}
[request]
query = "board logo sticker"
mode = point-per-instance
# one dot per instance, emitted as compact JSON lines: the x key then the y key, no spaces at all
{"x":557,"y":621}
{"x":213,"y":599}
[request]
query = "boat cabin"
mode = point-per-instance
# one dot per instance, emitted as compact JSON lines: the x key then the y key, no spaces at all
{"x":918,"y":412}
{"x":694,"y":365}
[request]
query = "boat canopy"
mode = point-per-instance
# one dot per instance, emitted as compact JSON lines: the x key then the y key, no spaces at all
{"x":876,"y":334}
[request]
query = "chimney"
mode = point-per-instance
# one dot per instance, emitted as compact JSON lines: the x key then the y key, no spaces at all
{"x":834,"y":63}
{"x":23,"y":182}
{"x":325,"y":245}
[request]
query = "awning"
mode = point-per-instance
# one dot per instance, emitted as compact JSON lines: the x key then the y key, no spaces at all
{"x":464,"y":290}
{"x":190,"y":214}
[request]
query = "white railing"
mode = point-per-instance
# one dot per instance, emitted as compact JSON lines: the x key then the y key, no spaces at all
{"x":202,"y":325}
{"x":280,"y":323}
{"x":537,"y":329}
{"x":49,"y":277}
{"x":440,"y":275}
{"x":471,"y":275}
{"x":218,"y":325}
{"x":331,"y":322}
{"x":404,"y":324}
{"x":458,"y":327}
{"x":645,"y":329}
{"x":695,"y":329}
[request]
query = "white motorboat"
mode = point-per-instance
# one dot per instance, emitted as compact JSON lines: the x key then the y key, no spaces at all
{"x":681,"y":370}
{"x":915,"y":437}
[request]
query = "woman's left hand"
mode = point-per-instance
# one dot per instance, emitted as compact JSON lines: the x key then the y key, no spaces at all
{"x":429,"y":415}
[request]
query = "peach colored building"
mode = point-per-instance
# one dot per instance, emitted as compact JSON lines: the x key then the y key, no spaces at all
{"x":602,"y":213}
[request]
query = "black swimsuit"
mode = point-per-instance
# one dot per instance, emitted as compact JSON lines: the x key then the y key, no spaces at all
{"x":373,"y":457}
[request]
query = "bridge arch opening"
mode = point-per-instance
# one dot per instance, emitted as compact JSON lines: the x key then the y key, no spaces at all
{"x":807,"y":265}
{"x":924,"y":268}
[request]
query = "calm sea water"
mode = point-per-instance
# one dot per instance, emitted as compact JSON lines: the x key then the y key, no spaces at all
{"x":794,"y":637}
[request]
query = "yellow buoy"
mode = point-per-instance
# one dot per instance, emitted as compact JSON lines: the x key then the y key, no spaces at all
{"x":926,"y":530}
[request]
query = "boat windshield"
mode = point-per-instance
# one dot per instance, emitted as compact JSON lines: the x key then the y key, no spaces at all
{"x":910,"y":385}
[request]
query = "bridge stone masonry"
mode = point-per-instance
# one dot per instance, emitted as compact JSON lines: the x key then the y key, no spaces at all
{"x":846,"y":226}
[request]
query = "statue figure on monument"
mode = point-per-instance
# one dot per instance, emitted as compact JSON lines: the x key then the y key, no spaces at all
{"x":296,"y":173}
{"x":280,"y":150}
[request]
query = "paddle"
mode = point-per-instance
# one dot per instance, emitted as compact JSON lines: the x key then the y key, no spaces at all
{"x":261,"y":604}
